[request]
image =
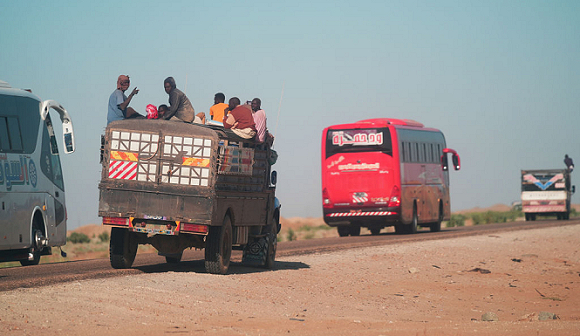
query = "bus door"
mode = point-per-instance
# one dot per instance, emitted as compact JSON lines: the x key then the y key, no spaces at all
{"x":55,"y":200}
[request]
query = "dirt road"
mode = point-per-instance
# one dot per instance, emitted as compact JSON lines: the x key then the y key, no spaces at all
{"x":439,"y":287}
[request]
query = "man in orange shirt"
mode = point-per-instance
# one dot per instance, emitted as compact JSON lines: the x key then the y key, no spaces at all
{"x":217,"y":110}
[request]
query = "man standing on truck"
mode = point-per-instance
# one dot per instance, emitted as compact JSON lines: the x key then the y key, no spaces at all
{"x":569,"y":163}
{"x":119,"y":103}
{"x":239,"y":119}
{"x":180,"y":107}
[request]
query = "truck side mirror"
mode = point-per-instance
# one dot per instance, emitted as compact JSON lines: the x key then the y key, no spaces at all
{"x":274,"y":178}
{"x":573,"y":189}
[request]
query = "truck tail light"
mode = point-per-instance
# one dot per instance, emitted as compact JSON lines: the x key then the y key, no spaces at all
{"x":395,"y":200}
{"x":116,"y":221}
{"x":197,"y":228}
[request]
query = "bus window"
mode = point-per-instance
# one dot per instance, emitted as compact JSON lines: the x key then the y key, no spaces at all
{"x":4,"y":141}
{"x":50,"y":160}
{"x":12,"y":128}
{"x":358,"y":140}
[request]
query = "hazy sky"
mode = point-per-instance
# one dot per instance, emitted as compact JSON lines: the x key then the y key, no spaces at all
{"x":501,"y":79}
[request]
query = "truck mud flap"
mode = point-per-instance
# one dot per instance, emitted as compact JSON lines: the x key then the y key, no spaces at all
{"x":255,"y":252}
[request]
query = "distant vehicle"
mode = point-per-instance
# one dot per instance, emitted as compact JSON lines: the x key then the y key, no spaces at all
{"x":175,"y":186}
{"x":546,"y":192}
{"x":32,"y":200}
{"x":385,"y":172}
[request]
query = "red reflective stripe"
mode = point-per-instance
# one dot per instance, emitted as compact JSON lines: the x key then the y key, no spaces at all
{"x":355,"y":214}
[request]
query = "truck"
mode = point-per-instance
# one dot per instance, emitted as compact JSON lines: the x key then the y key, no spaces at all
{"x":546,"y":192}
{"x":176,"y":185}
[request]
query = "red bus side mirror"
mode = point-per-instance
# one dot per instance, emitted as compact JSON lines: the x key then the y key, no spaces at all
{"x":455,"y":159}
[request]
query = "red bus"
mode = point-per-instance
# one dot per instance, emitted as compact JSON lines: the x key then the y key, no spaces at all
{"x":385,"y":172}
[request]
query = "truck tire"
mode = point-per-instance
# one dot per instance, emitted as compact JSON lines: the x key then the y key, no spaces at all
{"x":174,"y":258}
{"x":122,"y":248}
{"x":218,"y":248}
{"x":272,"y":241}
{"x":375,"y":231}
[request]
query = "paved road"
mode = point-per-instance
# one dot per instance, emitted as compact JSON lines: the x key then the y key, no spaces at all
{"x":47,"y":274}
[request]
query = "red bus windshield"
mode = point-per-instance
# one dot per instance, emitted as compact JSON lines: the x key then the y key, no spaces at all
{"x":358,"y":140}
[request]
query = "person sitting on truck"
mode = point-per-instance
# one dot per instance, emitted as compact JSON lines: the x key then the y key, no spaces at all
{"x":239,"y":119}
{"x":216,"y":112}
{"x":180,"y":107}
{"x":119,"y":103}
{"x":259,"y":118}
{"x":199,"y":118}
{"x":161,"y":110}
{"x":569,"y":163}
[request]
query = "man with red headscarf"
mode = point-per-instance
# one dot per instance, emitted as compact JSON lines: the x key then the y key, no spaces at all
{"x":119,"y":103}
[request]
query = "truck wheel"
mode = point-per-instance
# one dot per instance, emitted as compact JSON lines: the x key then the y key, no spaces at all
{"x":218,"y":248}
{"x":272,"y":242}
{"x":375,"y":231}
{"x":527,"y":217}
{"x":36,"y":247}
{"x":174,"y":258}
{"x":343,"y":231}
{"x":122,"y":248}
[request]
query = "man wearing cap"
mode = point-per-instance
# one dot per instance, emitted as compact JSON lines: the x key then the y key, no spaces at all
{"x":119,"y":103}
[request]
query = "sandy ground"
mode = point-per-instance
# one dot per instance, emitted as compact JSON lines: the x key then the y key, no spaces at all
{"x":425,"y":288}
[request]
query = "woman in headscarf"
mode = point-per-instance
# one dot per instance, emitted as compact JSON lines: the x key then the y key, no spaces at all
{"x":119,"y":103}
{"x":180,"y":107}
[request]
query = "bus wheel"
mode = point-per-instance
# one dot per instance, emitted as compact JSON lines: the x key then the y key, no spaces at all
{"x":174,"y":258}
{"x":400,"y":228}
{"x":436,"y":227}
{"x":272,"y":241}
{"x":36,"y":248}
{"x":343,"y":231}
{"x":122,"y":248}
{"x":354,"y":231}
{"x":375,"y":230}
{"x":218,"y":248}
{"x":413,"y":227}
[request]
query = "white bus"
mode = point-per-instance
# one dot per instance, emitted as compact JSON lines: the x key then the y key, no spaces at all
{"x":32,"y":202}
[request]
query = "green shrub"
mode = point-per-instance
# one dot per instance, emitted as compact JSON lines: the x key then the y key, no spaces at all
{"x":78,"y":238}
{"x":290,"y":235}
{"x":456,"y":220}
{"x":104,"y":237}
